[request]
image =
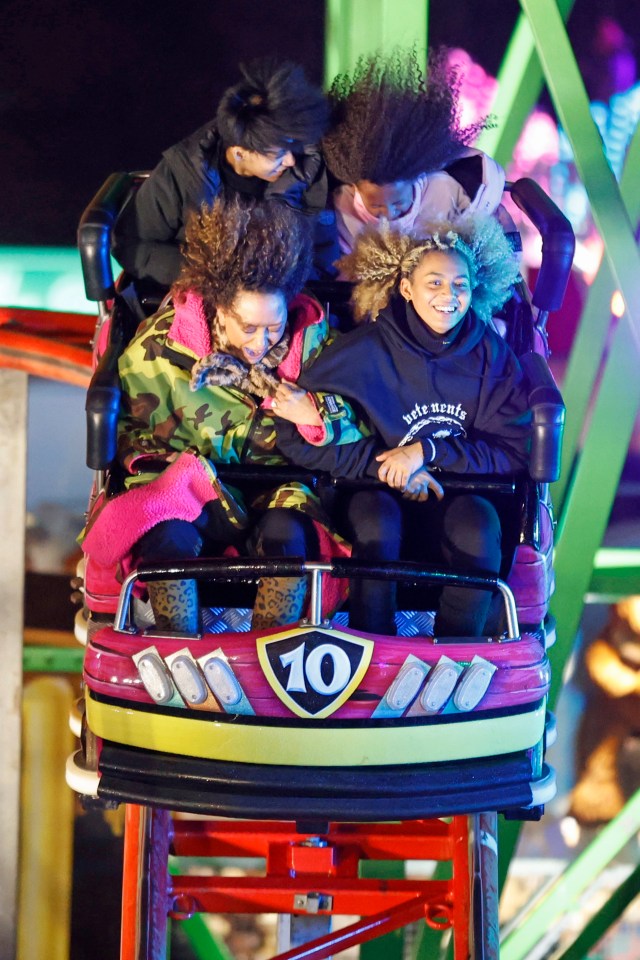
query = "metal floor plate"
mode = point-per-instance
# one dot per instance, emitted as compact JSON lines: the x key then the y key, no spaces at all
{"x":409,"y":623}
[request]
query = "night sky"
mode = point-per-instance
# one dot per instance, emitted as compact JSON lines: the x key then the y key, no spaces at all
{"x":92,"y":87}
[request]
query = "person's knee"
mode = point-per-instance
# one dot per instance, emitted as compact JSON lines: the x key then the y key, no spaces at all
{"x":284,"y":532}
{"x":375,"y":524}
{"x":472,"y":533}
{"x":169,"y":540}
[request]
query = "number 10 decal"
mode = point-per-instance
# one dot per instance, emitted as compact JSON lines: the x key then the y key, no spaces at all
{"x":316,"y":671}
{"x":312,"y":669}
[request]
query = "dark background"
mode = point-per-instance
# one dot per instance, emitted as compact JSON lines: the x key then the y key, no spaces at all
{"x":93,"y":86}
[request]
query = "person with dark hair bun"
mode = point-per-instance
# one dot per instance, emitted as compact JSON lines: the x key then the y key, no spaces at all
{"x":197,"y":380}
{"x":262,"y":144}
{"x":398,"y":148}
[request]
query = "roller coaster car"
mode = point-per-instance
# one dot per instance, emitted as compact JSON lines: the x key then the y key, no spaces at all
{"x":318,"y":722}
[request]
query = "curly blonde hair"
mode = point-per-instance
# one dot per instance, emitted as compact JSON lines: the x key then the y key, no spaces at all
{"x":238,"y":245}
{"x":382,"y":256}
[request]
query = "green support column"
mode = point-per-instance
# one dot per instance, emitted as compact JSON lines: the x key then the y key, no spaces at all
{"x":591,"y":495}
{"x":592,"y":492}
{"x":519,"y":86}
{"x":591,"y":336}
{"x":616,"y":574}
{"x":354,"y":28}
{"x":203,"y":943}
{"x":606,"y":916}
{"x":563,"y":893}
{"x":575,"y":556}
{"x":38,"y":659}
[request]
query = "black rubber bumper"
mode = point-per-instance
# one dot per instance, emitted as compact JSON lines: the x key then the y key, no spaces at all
{"x":371,"y":794}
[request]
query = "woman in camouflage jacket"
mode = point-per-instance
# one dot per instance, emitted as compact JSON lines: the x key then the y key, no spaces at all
{"x":197,"y":381}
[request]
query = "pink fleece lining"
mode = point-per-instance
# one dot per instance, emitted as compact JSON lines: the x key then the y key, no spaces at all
{"x":190,"y":327}
{"x":178,"y":493}
{"x":303,"y":312}
{"x":312,"y":434}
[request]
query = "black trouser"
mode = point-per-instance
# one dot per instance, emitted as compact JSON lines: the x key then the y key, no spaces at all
{"x":279,"y":532}
{"x":460,"y":532}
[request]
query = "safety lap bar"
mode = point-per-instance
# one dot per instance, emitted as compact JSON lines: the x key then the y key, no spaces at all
{"x":254,"y":568}
{"x":248,"y":473}
{"x":558,"y":242}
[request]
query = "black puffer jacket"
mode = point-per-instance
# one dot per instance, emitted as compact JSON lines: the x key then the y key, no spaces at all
{"x":150,"y":229}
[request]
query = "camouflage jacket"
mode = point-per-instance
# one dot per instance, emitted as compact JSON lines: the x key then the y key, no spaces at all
{"x":161,"y":415}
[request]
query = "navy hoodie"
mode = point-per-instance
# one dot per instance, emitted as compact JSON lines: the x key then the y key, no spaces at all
{"x":462,"y":395}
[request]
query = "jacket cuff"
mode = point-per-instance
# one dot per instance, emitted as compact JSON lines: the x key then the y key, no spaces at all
{"x":428,"y":449}
{"x":315,"y":435}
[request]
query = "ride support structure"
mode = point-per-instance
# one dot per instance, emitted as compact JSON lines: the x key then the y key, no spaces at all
{"x":312,"y":876}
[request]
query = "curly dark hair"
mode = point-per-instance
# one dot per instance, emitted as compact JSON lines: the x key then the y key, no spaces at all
{"x":273,"y":106}
{"x":238,"y":245}
{"x":389,"y":124}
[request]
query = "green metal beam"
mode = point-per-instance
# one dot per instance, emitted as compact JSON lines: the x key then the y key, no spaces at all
{"x":563,"y":893}
{"x":585,"y":516}
{"x":355,"y":28}
{"x":584,"y":525}
{"x":391,"y":945}
{"x":606,"y":916}
{"x":590,"y":340}
{"x":588,"y":505}
{"x":429,"y":941}
{"x":520,"y":82}
{"x":38,"y":659}
{"x":547,"y":34}
{"x":616,"y":575}
{"x":205,"y":945}
{"x":572,"y":105}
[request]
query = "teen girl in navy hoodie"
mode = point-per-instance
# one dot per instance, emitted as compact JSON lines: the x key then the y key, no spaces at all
{"x":441,"y":391}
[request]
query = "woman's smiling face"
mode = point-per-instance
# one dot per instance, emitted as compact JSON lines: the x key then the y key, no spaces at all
{"x":255,"y":323}
{"x":440,"y":289}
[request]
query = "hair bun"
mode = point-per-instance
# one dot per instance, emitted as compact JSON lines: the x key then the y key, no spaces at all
{"x":249,"y":100}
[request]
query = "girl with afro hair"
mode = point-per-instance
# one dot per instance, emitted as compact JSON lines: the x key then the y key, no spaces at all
{"x":398,"y":148}
{"x":439,"y":390}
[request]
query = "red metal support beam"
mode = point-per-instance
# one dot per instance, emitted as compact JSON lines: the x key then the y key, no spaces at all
{"x":362,"y":931}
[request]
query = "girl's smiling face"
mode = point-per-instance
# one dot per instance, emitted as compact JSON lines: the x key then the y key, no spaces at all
{"x":255,"y":323}
{"x":440,"y":289}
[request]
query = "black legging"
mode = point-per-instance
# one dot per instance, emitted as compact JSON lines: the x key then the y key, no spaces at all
{"x":279,"y":532}
{"x":462,"y":533}
{"x":285,"y":532}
